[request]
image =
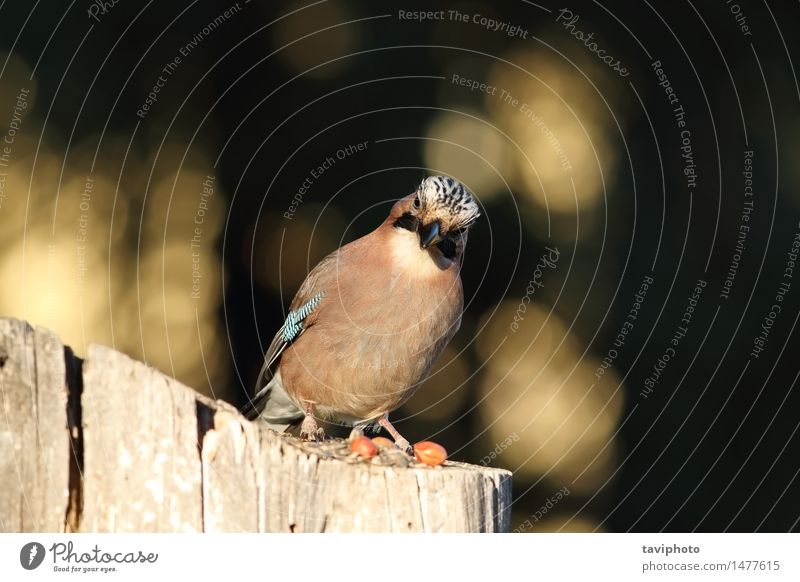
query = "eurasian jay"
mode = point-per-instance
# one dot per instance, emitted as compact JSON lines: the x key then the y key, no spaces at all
{"x":371,"y":319}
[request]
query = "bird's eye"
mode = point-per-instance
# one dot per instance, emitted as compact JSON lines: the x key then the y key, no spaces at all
{"x":416,"y":202}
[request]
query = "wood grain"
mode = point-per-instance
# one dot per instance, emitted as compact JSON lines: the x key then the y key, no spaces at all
{"x":34,"y":439}
{"x":152,"y":455}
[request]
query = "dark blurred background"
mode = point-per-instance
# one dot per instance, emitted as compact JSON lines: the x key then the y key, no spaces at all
{"x":151,"y":170}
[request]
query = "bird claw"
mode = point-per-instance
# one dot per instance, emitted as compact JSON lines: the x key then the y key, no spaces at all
{"x":317,"y":435}
{"x":403,"y":445}
{"x":309,"y":430}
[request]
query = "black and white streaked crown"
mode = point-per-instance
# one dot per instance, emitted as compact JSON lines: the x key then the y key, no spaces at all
{"x":449,"y":195}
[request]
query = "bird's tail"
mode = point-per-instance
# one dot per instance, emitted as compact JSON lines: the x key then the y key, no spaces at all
{"x":272,"y":406}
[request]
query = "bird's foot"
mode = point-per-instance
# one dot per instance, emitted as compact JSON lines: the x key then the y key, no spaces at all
{"x":400,"y":442}
{"x":310,"y":430}
{"x":403,"y":445}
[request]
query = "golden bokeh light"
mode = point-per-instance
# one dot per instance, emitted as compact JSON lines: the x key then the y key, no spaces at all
{"x":561,"y":125}
{"x":179,"y":278}
{"x":539,"y":387}
{"x":286,"y":250}
{"x":66,"y":266}
{"x":41,"y":285}
{"x":462,"y":144}
{"x":176,"y":205}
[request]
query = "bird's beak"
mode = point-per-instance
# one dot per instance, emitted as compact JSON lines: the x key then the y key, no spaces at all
{"x":429,"y":234}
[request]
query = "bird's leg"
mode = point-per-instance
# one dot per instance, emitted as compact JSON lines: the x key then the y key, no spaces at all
{"x":310,"y":429}
{"x":399,"y":441}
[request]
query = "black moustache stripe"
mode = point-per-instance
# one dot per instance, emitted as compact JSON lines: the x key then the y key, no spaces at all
{"x":448,"y":248}
{"x":407,"y":221}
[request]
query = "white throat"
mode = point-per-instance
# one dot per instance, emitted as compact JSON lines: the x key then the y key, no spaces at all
{"x":411,"y":260}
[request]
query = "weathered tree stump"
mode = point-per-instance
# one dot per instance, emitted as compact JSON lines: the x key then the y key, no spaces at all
{"x":110,"y":444}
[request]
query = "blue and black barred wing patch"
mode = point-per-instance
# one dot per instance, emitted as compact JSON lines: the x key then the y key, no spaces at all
{"x":294,"y":323}
{"x":289,"y":331}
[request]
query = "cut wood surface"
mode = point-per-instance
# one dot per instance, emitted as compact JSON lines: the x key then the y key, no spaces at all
{"x":111,"y":444}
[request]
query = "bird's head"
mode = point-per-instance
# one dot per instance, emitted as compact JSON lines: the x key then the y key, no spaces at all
{"x":440,"y":213}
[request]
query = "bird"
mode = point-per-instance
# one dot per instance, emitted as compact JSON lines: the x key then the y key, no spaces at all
{"x":370,"y":320}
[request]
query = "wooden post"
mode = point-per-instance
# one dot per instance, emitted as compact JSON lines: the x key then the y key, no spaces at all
{"x":110,"y":444}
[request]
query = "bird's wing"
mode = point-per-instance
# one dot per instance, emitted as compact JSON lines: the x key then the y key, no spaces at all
{"x":296,"y":323}
{"x":302,"y":314}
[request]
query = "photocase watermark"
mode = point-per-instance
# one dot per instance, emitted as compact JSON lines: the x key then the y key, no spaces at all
{"x":626,"y":328}
{"x":499,"y":448}
{"x":66,"y":558}
{"x":524,"y":108}
{"x":66,"y":553}
{"x":568,"y":19}
{"x":760,"y":340}
{"x":31,"y":555}
{"x":317,"y":172}
{"x":206,"y":194}
{"x":679,"y":113}
{"x":169,"y":69}
{"x":680,"y":332}
{"x":738,"y":15}
{"x":82,"y":236}
{"x":548,"y":505}
{"x":6,"y":147}
{"x":100,"y":8}
{"x":490,"y":24}
{"x":549,"y":260}
{"x":744,"y":227}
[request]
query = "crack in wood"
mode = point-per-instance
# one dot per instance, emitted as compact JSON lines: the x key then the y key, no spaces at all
{"x":74,"y":383}
{"x":205,"y":422}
